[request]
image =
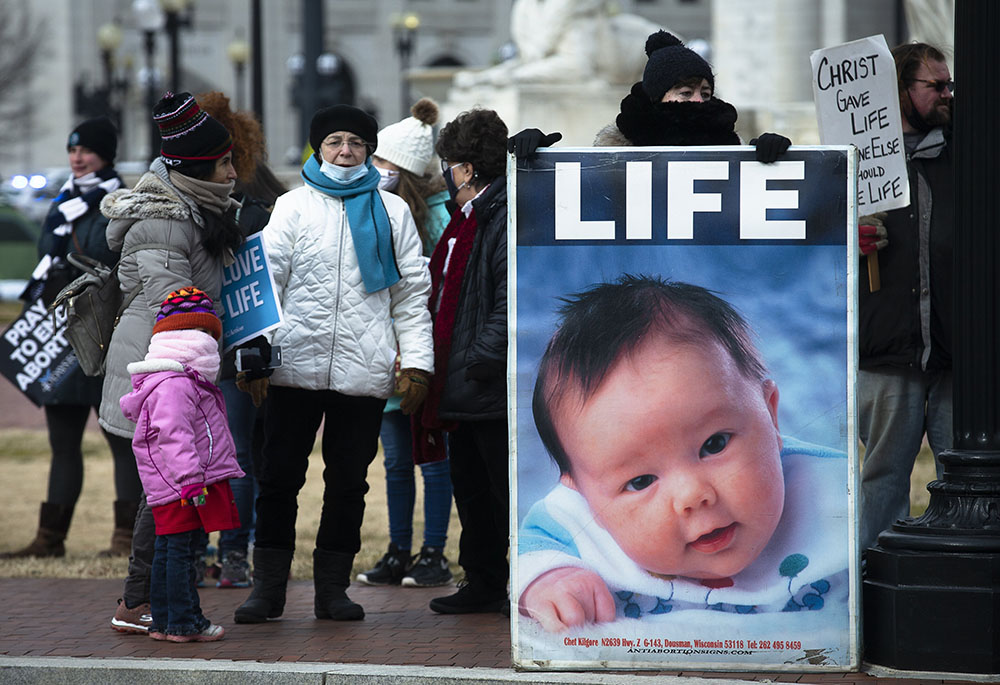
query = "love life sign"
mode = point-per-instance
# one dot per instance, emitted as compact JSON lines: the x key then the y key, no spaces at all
{"x":248,"y":298}
{"x":857,"y":103}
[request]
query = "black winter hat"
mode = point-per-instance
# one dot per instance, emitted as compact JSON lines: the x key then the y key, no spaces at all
{"x":343,"y":118}
{"x":99,"y":135}
{"x":671,"y":62}
{"x":189,"y":136}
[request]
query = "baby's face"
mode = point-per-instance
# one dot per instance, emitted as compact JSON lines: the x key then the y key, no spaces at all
{"x":678,"y":456}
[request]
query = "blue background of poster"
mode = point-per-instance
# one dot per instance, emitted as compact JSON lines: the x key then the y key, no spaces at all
{"x":798,"y":317}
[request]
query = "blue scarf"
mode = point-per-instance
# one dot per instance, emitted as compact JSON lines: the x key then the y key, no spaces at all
{"x":367,"y":219}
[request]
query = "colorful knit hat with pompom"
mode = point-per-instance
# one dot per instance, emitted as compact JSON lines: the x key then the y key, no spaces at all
{"x":188,"y":308}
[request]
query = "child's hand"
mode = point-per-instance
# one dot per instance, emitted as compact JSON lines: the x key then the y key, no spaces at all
{"x":565,"y":597}
{"x":195,"y":494}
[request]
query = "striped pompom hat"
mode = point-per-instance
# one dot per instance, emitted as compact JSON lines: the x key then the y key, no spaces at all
{"x":189,"y":136}
{"x":187,"y":308}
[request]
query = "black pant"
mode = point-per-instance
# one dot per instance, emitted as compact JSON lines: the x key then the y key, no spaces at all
{"x":478,"y":451}
{"x":350,"y":443}
{"x":66,"y":423}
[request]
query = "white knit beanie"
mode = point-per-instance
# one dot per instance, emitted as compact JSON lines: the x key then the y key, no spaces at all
{"x":409,"y":144}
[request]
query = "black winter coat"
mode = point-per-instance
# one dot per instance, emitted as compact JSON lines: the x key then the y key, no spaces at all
{"x":88,"y":238}
{"x":479,"y":335}
{"x":915,"y":269}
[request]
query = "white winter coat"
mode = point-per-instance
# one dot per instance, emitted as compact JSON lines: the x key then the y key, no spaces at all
{"x":336,"y":335}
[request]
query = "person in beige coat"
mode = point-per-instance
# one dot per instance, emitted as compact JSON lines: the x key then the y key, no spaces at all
{"x":183,"y":216}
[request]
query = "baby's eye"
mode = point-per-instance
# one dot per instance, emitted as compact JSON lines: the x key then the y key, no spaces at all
{"x":640,"y":482}
{"x":715,"y":444}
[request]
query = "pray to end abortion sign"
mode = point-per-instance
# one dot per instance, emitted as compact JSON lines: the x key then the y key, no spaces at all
{"x":248,"y":295}
{"x":854,"y":88}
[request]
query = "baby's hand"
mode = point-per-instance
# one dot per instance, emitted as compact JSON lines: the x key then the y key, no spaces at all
{"x":565,"y":597}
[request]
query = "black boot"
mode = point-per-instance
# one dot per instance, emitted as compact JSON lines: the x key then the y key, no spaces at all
{"x":121,"y":536}
{"x":270,"y":578}
{"x":53,"y":524}
{"x":331,"y":577}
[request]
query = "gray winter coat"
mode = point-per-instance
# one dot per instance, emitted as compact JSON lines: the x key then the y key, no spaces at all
{"x":152,"y":212}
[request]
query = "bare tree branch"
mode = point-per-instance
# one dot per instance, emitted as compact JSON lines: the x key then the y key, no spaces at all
{"x":22,"y":38}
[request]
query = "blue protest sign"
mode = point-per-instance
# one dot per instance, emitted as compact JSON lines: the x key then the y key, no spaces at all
{"x":251,"y":307}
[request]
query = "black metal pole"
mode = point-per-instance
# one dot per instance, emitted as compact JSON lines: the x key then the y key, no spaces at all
{"x":932,"y":589}
{"x":312,"y":30}
{"x":257,"y":61}
{"x":174,"y":34}
{"x":154,"y":131}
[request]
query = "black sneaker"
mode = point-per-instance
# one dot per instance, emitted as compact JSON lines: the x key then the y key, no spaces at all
{"x":470,"y":599}
{"x":389,"y":570}
{"x":430,"y":569}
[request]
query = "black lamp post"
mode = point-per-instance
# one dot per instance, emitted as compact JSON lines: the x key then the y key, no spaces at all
{"x":103,"y":99}
{"x":149,"y":19}
{"x":404,"y":29}
{"x":177,"y":14}
{"x":932,"y":585}
{"x":238,"y":52}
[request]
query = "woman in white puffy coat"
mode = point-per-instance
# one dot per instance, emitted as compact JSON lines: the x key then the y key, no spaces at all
{"x":353,"y":283}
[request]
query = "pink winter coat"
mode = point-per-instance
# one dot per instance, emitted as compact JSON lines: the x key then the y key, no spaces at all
{"x":181,"y":437}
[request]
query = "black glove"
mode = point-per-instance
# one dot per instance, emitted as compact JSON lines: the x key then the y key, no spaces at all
{"x":260,"y":343}
{"x":525,"y":143}
{"x":770,"y":146}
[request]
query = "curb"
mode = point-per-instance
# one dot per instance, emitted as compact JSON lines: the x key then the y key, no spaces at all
{"x":73,"y":670}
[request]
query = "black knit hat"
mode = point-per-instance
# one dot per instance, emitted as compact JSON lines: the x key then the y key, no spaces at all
{"x":671,"y":62}
{"x":343,"y":118}
{"x":189,"y":136}
{"x":99,"y":135}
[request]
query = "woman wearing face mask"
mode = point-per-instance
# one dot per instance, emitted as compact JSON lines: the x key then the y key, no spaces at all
{"x":468,"y":395}
{"x":405,"y":150}
{"x":350,"y":275}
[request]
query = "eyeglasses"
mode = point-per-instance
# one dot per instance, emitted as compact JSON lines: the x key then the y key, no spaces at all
{"x":445,"y":166}
{"x":939,"y":86}
{"x":355,"y":144}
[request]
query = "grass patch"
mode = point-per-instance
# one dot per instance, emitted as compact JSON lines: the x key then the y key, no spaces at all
{"x":24,"y":460}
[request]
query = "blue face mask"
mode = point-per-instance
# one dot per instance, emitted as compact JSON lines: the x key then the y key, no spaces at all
{"x":343,"y":174}
{"x":449,"y":181}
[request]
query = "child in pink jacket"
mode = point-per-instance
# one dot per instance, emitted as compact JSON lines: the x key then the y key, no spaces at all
{"x":185,"y":456}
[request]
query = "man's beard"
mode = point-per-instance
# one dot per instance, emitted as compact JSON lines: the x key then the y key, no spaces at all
{"x":940,"y":115}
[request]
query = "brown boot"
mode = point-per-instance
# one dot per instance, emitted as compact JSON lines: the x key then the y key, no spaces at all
{"x":53,"y":523}
{"x":121,"y":537}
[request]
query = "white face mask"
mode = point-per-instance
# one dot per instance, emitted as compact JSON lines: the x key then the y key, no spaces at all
{"x":343,"y":174}
{"x":389,"y":180}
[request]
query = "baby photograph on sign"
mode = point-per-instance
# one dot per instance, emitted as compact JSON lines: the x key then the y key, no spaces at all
{"x":682,"y":408}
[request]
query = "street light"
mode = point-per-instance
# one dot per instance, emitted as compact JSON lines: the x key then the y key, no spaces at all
{"x":101,"y":99}
{"x":404,"y":30}
{"x":178,"y":13}
{"x":238,"y":52}
{"x":149,"y":18}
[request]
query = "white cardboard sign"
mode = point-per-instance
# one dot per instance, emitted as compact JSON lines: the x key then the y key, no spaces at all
{"x":854,"y":88}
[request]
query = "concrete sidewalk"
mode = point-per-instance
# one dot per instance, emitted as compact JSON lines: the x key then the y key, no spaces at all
{"x":58,"y":631}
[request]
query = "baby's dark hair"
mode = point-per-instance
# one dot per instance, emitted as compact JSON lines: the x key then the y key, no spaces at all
{"x":609,"y":320}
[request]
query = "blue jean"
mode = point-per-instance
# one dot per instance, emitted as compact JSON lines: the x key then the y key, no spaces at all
{"x":173,"y":593}
{"x":241,"y":415}
{"x":896,"y":407}
{"x":401,"y":489}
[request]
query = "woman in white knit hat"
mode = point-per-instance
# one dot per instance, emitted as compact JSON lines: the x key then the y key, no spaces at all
{"x":405,"y":151}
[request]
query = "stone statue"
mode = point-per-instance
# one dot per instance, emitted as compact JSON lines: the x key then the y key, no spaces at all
{"x":568,"y":41}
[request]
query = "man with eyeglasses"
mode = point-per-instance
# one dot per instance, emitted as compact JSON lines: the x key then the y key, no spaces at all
{"x":904,"y":382}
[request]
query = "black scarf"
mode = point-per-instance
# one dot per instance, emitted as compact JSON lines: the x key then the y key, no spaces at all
{"x":676,"y":123}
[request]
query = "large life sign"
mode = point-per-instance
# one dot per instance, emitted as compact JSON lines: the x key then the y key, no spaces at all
{"x":593,"y":235}
{"x":689,"y":195}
